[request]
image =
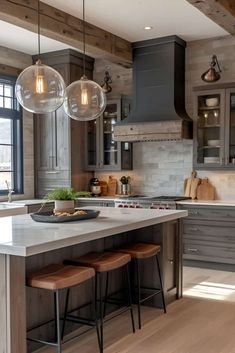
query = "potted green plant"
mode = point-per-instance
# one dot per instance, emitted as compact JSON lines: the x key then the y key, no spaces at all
{"x":64,"y":199}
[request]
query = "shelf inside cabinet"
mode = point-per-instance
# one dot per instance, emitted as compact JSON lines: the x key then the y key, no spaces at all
{"x":209,"y":108}
{"x":208,"y":126}
{"x":207,"y":147}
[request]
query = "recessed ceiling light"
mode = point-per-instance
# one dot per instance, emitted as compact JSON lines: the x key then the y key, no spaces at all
{"x":147,"y":28}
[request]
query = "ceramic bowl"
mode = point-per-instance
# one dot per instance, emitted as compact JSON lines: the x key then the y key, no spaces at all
{"x":212,"y":102}
{"x":211,"y":159}
{"x":213,"y":143}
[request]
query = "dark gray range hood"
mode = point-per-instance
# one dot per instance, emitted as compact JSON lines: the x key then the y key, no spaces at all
{"x":158,"y":111}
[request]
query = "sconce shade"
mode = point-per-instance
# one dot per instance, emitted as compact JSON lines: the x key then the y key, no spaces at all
{"x":84,"y":100}
{"x":105,"y":86}
{"x":40,"y":89}
{"x":212,"y":74}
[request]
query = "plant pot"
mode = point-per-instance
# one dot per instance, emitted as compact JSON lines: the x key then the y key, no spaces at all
{"x":64,"y":206}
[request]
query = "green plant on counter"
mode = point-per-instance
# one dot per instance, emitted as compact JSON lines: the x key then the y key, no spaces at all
{"x":61,"y":194}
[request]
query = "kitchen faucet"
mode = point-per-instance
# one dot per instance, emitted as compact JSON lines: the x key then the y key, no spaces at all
{"x":10,"y":191}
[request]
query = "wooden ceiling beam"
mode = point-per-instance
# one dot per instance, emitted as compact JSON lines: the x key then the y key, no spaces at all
{"x":67,"y":29}
{"x":221,"y":12}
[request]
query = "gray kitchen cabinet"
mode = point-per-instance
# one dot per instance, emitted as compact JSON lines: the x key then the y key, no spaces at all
{"x":91,"y":202}
{"x":209,"y":234}
{"x":59,"y":140}
{"x":214,"y":127}
{"x":102,"y":152}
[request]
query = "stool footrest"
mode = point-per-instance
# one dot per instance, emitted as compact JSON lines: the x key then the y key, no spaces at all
{"x":43,"y":342}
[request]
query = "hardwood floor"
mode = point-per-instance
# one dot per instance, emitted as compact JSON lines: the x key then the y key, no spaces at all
{"x":191,"y":325}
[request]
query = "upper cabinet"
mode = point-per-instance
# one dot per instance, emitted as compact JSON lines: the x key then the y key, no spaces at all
{"x":102,"y":152}
{"x":214,"y":127}
{"x":59,"y":140}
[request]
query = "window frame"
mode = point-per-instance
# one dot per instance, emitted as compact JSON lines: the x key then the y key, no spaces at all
{"x":15,"y":115}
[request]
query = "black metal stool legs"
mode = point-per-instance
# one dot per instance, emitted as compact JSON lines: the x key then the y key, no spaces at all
{"x":101,"y":308}
{"x":161,"y":285}
{"x":65,"y":312}
{"x":138,"y":291}
{"x":58,"y":321}
{"x":161,"y":290}
{"x":130,"y":297}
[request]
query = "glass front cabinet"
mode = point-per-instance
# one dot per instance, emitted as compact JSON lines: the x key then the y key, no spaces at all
{"x":214,"y":128}
{"x":102,"y":152}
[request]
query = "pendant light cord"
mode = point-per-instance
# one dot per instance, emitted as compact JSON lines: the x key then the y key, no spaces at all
{"x":84,"y":38}
{"x":39,"y":33}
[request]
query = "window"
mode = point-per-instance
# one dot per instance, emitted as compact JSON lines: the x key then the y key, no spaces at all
{"x":10,"y":137}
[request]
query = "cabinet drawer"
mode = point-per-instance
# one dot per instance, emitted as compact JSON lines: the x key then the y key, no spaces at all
{"x":223,"y":214}
{"x":209,"y":232}
{"x":197,"y":251}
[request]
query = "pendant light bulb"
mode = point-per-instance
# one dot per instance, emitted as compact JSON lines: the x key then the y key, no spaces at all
{"x":39,"y":88}
{"x":84,"y":99}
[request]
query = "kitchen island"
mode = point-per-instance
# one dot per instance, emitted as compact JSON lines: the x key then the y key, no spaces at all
{"x":26,"y":246}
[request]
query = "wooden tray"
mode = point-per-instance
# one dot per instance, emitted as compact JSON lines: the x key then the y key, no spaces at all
{"x":48,"y":217}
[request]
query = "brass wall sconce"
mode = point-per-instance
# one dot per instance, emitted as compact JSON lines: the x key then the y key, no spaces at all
{"x":213,"y":73}
{"x":106,"y":85}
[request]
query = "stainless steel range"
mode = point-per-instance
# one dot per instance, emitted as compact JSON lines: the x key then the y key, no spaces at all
{"x":158,"y":202}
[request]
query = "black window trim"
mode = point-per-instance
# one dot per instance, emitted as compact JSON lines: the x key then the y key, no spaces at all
{"x":16,"y":115}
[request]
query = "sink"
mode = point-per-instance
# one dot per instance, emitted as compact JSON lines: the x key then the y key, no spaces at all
{"x":11,"y":209}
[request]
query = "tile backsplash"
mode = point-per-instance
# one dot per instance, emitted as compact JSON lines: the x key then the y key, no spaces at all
{"x":158,"y":168}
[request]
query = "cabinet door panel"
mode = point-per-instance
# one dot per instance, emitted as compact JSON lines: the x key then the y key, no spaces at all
{"x":61,"y":141}
{"x":209,"y":129}
{"x":44,"y":141}
{"x":230,"y":128}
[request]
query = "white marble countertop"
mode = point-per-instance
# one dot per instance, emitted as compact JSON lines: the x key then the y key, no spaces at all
{"x":207,"y":202}
{"x":20,"y":235}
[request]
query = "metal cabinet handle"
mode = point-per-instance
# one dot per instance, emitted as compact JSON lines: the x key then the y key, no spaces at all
{"x":171,"y":261}
{"x":194,"y":229}
{"x":193,"y":212}
{"x":192,"y":249}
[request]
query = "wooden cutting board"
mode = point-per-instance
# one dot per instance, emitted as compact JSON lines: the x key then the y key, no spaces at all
{"x":205,"y":190}
{"x":103,"y":187}
{"x":194,"y":186}
{"x":112,"y":186}
{"x":188,"y":184}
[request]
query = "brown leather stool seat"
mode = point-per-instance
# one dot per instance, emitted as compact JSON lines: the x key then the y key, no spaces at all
{"x":56,"y":276}
{"x":102,"y":262}
{"x":140,"y":250}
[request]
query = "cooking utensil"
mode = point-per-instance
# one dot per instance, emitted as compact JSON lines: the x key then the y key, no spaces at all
{"x":205,"y":190}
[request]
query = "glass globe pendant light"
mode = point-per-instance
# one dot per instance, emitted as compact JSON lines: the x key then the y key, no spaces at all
{"x":39,"y":88}
{"x":84,"y":99}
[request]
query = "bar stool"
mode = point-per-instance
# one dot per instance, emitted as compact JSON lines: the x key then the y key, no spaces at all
{"x":139,"y":252}
{"x":54,"y":278}
{"x":103,"y":263}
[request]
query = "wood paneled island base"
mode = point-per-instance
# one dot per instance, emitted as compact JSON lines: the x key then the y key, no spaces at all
{"x":27,"y":246}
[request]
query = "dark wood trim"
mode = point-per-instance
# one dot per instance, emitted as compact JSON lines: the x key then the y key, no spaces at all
{"x":66,"y":28}
{"x":221,"y":12}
